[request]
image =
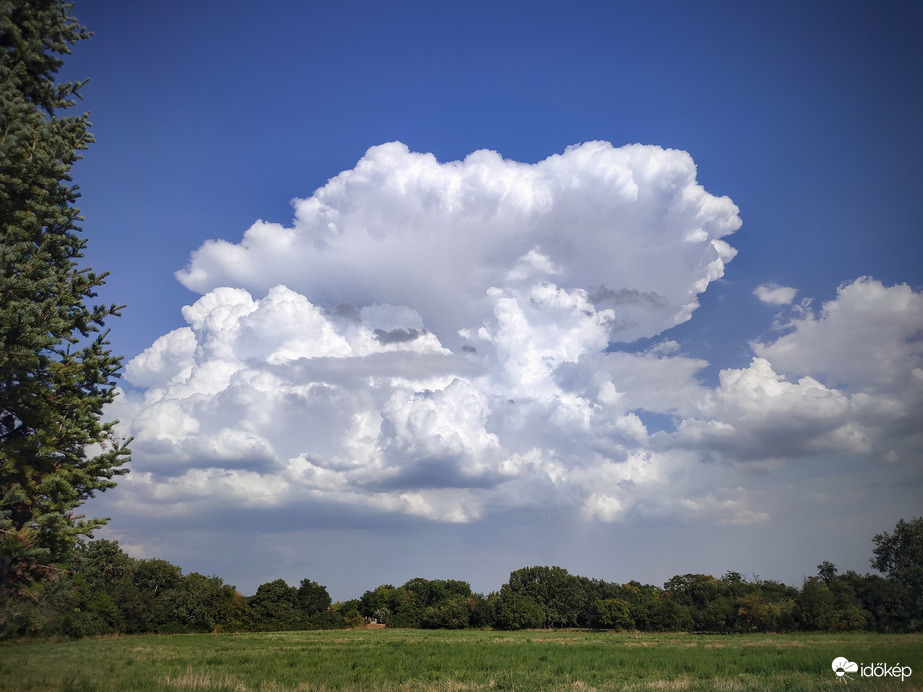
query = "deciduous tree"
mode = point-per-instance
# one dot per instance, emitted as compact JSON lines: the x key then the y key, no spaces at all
{"x":276,"y":603}
{"x":899,"y":556}
{"x":312,"y":597}
{"x":613,"y":613}
{"x":516,"y":611}
{"x":561,"y":595}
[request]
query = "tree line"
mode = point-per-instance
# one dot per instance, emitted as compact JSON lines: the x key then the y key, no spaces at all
{"x":103,"y":590}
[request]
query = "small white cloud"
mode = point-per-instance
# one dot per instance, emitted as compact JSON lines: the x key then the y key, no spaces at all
{"x":774,"y":294}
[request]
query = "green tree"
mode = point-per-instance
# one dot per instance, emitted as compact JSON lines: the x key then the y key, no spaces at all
{"x":56,"y":371}
{"x":385,"y":598}
{"x":483,"y":612}
{"x":107,"y":573}
{"x":815,"y":605}
{"x":312,"y":597}
{"x":826,"y":570}
{"x":899,"y":556}
{"x":156,"y":581}
{"x":847,"y":614}
{"x":561,"y":595}
{"x":886,"y":602}
{"x":326,"y":620}
{"x":450,"y":614}
{"x":204,"y":604}
{"x":666,"y":615}
{"x":705,"y":599}
{"x":55,"y":607}
{"x":757,"y":613}
{"x":613,"y":613}
{"x":782,"y":599}
{"x":276,"y":604}
{"x":643,"y":600}
{"x":516,"y":611}
{"x":695,"y":590}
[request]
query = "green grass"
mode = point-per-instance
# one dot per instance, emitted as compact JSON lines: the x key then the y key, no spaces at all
{"x":453,"y":661}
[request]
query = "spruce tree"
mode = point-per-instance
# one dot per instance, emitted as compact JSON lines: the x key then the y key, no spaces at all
{"x":56,"y":370}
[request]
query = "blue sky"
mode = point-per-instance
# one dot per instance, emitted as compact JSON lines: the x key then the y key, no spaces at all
{"x":805,"y":116}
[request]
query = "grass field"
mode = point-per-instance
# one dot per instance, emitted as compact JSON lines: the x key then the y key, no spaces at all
{"x":453,"y":661}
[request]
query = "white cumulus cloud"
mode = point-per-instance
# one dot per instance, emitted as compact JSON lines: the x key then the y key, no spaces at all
{"x":630,"y":225}
{"x":868,"y":339}
{"x":774,"y":294}
{"x":435,"y":340}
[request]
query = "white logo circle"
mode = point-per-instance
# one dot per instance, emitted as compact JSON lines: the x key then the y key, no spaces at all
{"x":842,"y":665}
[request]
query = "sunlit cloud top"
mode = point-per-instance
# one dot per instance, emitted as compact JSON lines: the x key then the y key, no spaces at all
{"x":631,"y":226}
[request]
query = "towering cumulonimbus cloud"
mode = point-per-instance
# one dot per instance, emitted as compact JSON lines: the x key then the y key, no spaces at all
{"x":434,"y":340}
{"x":629,"y":225}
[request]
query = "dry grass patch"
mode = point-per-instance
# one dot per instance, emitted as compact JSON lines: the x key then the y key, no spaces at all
{"x":580,"y":686}
{"x":682,"y":683}
{"x":201,"y":680}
